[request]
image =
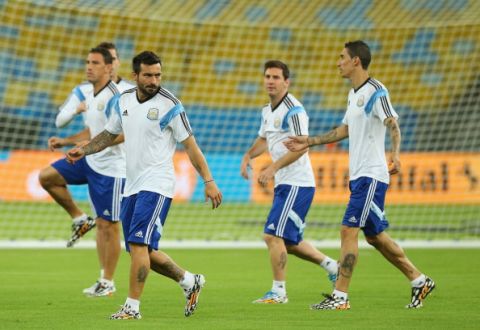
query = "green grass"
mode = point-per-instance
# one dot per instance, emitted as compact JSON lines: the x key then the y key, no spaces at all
{"x":41,"y":289}
{"x":196,"y":221}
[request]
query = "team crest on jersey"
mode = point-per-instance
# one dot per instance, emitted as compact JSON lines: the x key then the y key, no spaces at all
{"x":152,"y":114}
{"x":277,"y":122}
{"x":361,"y":101}
{"x":100,"y":106}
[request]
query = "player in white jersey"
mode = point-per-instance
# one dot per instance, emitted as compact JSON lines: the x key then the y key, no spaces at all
{"x":369,"y":115}
{"x":152,"y":121}
{"x":75,"y":103}
{"x":294,"y":181}
{"x":104,"y":173}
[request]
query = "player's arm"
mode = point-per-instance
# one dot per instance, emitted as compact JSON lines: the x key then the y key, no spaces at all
{"x":56,"y":142}
{"x":258,"y":147}
{"x":72,"y":107}
{"x":298,"y":143}
{"x":200,"y":164}
{"x":269,"y":173}
{"x":395,"y":139}
{"x":98,"y":143}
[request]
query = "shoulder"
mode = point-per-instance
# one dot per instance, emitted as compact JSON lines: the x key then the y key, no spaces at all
{"x":113,"y":88}
{"x":375,"y":85}
{"x":291,"y":101}
{"x":84,"y":86}
{"x":168,"y":97}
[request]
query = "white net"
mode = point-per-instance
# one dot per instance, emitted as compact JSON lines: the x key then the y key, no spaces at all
{"x":425,"y":52}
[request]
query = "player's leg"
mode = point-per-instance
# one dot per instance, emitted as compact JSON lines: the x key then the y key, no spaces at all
{"x":308,"y":252}
{"x":293,"y":233}
{"x":131,"y":307}
{"x":55,"y":179}
{"x":422,"y":285}
{"x":191,"y":284}
{"x":105,"y":193}
{"x":362,"y":193}
{"x":56,"y":186}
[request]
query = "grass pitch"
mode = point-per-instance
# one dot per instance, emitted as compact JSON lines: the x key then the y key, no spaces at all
{"x":41,"y":289}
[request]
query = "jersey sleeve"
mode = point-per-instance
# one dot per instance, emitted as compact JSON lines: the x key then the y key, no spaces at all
{"x":298,"y":124}
{"x":179,"y":123}
{"x":67,"y":110}
{"x":261,"y":131}
{"x":112,"y":111}
{"x":383,"y":108}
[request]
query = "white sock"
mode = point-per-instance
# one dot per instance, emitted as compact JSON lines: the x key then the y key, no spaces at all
{"x":340,"y":294}
{"x":102,"y":273}
{"x":133,"y":304}
{"x":107,"y":282}
{"x":279,"y":287}
{"x":187,"y":281}
{"x":329,"y":265}
{"x":80,"y":218}
{"x":419,"y":281}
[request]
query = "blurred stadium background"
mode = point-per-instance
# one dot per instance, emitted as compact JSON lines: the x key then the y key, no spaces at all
{"x":425,"y":51}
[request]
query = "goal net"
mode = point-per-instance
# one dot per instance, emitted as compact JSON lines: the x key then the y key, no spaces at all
{"x":426,"y":53}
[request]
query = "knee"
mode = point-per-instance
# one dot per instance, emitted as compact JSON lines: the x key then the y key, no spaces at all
{"x":372,"y":240}
{"x":271,"y":240}
{"x":48,"y":177}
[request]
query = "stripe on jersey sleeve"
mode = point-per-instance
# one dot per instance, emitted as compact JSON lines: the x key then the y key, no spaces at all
{"x":172,"y":113}
{"x":79,"y":94}
{"x":294,"y":111}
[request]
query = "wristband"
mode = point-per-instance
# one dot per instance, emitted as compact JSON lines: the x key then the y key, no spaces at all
{"x":208,"y":181}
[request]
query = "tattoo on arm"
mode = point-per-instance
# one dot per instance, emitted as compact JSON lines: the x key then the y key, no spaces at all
{"x":99,"y":142}
{"x":346,"y":267}
{"x":142,"y":274}
{"x":334,"y":135}
{"x":394,"y":134}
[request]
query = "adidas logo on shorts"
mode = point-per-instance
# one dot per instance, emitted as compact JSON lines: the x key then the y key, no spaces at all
{"x":139,"y":234}
{"x":352,"y":219}
{"x":271,"y":226}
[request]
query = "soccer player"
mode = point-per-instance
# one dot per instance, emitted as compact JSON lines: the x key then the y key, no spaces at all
{"x":104,"y":173}
{"x":75,"y":103}
{"x":294,"y":181}
{"x":152,"y":120}
{"x":369,"y":114}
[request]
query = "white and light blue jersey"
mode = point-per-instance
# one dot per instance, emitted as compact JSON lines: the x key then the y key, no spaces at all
{"x":68,"y":109}
{"x":151,"y":129}
{"x":287,"y":118}
{"x":110,"y":161}
{"x":367,"y":109}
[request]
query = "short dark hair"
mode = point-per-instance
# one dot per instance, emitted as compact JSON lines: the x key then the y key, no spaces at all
{"x":108,"y":45}
{"x":277,"y":64}
{"x":107,"y":57}
{"x":146,"y":57}
{"x":360,"y":49}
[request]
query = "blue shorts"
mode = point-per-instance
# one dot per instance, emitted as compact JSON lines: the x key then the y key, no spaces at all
{"x":289,"y":209}
{"x":143,"y":217}
{"x":105,"y":191}
{"x":366,"y":206}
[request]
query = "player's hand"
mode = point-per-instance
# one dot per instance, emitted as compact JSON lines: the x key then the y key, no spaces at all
{"x":213,"y":193}
{"x":266,"y":175}
{"x":245,"y":167}
{"x":394,"y":165}
{"x":55,"y":142}
{"x":82,"y":107}
{"x":296,"y":143}
{"x":75,"y":154}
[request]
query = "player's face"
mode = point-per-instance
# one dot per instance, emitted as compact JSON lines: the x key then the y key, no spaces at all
{"x":148,"y":79}
{"x":96,"y":68}
{"x":345,"y":64}
{"x":116,"y":61}
{"x":275,"y":83}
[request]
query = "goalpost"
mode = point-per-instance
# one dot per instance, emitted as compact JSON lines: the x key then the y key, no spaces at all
{"x":425,"y":52}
